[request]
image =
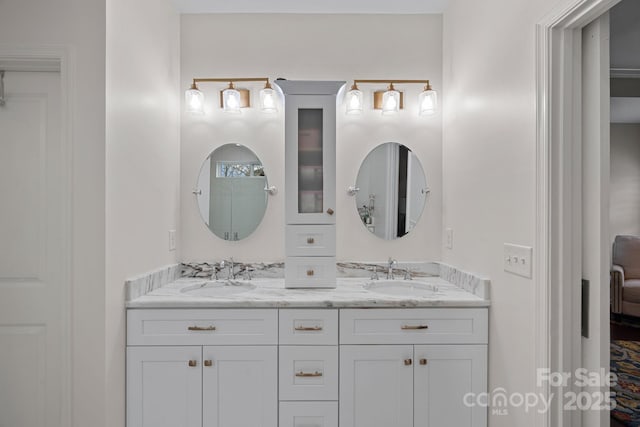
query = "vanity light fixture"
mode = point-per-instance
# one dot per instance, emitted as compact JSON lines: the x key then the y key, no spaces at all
{"x":390,"y":101}
{"x":353,"y":100}
{"x":268,"y":102}
{"x":427,"y":101}
{"x":194,"y":100}
{"x":232,"y":99}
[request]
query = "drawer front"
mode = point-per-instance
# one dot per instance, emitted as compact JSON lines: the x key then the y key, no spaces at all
{"x":308,"y":373}
{"x":202,"y":327}
{"x":311,"y":240}
{"x":308,"y":414}
{"x":308,"y":327}
{"x":414,"y":326}
{"x":310,"y":272}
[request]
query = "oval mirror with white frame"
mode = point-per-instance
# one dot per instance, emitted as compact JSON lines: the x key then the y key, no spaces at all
{"x":391,"y":191}
{"x":232,"y":192}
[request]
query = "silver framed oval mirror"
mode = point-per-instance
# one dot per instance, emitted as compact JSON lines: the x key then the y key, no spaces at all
{"x":231,"y":192}
{"x":392,"y":191}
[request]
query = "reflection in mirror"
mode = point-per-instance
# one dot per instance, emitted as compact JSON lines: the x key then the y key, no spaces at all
{"x":231,"y":192}
{"x":392,"y":191}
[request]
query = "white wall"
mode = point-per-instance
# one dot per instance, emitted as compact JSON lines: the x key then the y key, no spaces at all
{"x":312,"y":47}
{"x":489,"y":169}
{"x":37,"y":22}
{"x":142,"y":162}
{"x":625,"y":180}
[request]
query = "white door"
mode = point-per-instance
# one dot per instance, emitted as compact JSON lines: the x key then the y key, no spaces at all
{"x":34,"y":261}
{"x":376,"y":386}
{"x":164,"y":387}
{"x":596,"y":244}
{"x":240,"y":386}
{"x":444,"y":375}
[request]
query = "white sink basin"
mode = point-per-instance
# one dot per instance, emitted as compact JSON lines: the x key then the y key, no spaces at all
{"x":218,"y":289}
{"x":401,"y":288}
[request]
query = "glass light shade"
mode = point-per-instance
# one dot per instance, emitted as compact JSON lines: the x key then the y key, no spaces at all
{"x":268,"y":101}
{"x":194,"y":101}
{"x":231,"y":101}
{"x":390,"y":102}
{"x":353,"y":102}
{"x":427,"y":102}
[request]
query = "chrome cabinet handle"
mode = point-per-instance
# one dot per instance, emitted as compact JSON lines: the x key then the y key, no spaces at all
{"x":201,"y":328}
{"x":193,"y":363}
{"x":410,"y":327}
{"x":308,"y":374}
{"x":308,"y":328}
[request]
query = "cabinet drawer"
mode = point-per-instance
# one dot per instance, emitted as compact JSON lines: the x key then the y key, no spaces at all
{"x":308,"y":373}
{"x":308,"y":414}
{"x":311,"y":240}
{"x":308,"y":327}
{"x":414,"y":326}
{"x":202,"y":327}
{"x":310,"y":272}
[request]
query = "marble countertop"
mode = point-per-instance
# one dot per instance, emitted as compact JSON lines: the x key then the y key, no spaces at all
{"x":270,"y":292}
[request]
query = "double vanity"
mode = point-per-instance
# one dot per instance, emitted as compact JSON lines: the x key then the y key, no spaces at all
{"x":309,"y":342}
{"x":239,"y":352}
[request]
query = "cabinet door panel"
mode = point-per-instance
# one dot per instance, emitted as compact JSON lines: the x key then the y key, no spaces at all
{"x":310,"y":159}
{"x":163,"y":390}
{"x":240,"y":387}
{"x":444,"y":374}
{"x":376,"y":386}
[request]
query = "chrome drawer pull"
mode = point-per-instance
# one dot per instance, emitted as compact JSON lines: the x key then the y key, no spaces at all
{"x":308,"y":374}
{"x":308,"y":328}
{"x":311,"y":240}
{"x":201,"y":328}
{"x":409,"y":327}
{"x":310,"y":272}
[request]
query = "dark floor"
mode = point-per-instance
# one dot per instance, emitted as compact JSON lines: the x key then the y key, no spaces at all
{"x":619,"y":331}
{"x":624,"y":332}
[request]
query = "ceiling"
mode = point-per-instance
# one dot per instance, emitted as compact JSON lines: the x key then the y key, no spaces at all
{"x":311,"y":6}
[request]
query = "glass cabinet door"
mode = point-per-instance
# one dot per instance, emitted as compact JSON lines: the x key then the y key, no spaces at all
{"x":310,"y":159}
{"x":310,"y":176}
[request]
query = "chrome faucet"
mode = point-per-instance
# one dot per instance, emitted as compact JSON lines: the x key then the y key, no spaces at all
{"x":231,"y":274}
{"x":392,"y":263}
{"x":374,"y":273}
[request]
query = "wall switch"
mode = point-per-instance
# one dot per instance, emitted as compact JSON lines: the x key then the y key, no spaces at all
{"x":172,"y":240}
{"x":448,"y":238}
{"x":517,"y":259}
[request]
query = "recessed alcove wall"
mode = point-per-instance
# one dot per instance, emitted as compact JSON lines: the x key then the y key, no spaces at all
{"x":312,"y":47}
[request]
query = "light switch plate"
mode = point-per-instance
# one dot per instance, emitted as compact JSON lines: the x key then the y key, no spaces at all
{"x":172,"y":240}
{"x":518,"y":259}
{"x":448,"y":238}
